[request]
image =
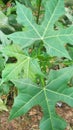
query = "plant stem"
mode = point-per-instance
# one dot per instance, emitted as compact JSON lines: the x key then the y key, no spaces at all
{"x":39,"y":5}
{"x":42,"y":82}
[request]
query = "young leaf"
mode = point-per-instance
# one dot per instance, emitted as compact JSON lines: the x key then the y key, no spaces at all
{"x":24,"y":66}
{"x":54,"y":40}
{"x":56,"y":90}
{"x":2,"y":106}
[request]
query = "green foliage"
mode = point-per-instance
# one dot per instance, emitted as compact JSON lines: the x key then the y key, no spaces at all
{"x":4,"y":22}
{"x":1,"y":63}
{"x":29,"y":56}
{"x":25,"y":66}
{"x":54,"y":40}
{"x":55,"y":90}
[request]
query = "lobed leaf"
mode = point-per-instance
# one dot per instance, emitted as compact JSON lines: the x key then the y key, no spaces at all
{"x":54,"y":40}
{"x":24,"y":66}
{"x":56,"y":90}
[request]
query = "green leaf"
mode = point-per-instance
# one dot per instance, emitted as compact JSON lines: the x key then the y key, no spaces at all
{"x":5,"y":88}
{"x":70,"y":50}
{"x":4,"y":22}
{"x":56,"y":90}
{"x":3,"y":39}
{"x":26,"y":2}
{"x":54,"y":40}
{"x":2,"y":106}
{"x":24,"y":66}
{"x":2,"y":61}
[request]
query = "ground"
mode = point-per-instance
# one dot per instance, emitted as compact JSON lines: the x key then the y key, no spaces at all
{"x":31,"y":120}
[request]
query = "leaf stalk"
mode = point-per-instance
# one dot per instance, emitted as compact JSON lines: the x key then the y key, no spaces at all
{"x":39,"y":7}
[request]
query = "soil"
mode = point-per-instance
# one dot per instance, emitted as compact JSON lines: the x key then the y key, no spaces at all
{"x":31,"y":120}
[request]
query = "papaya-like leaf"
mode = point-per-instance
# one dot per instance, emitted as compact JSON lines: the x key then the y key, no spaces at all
{"x":54,"y":40}
{"x":23,"y":66}
{"x":56,"y":89}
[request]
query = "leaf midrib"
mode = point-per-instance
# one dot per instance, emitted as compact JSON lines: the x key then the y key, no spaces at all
{"x":31,"y":24}
{"x":21,"y":37}
{"x":49,"y":21}
{"x":60,"y":35}
{"x":27,"y":103}
{"x":59,"y":94}
{"x":17,"y":66}
{"x":57,"y":50}
{"x":15,"y":53}
{"x":48,"y":107}
{"x":33,"y":85}
{"x":59,"y":77}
